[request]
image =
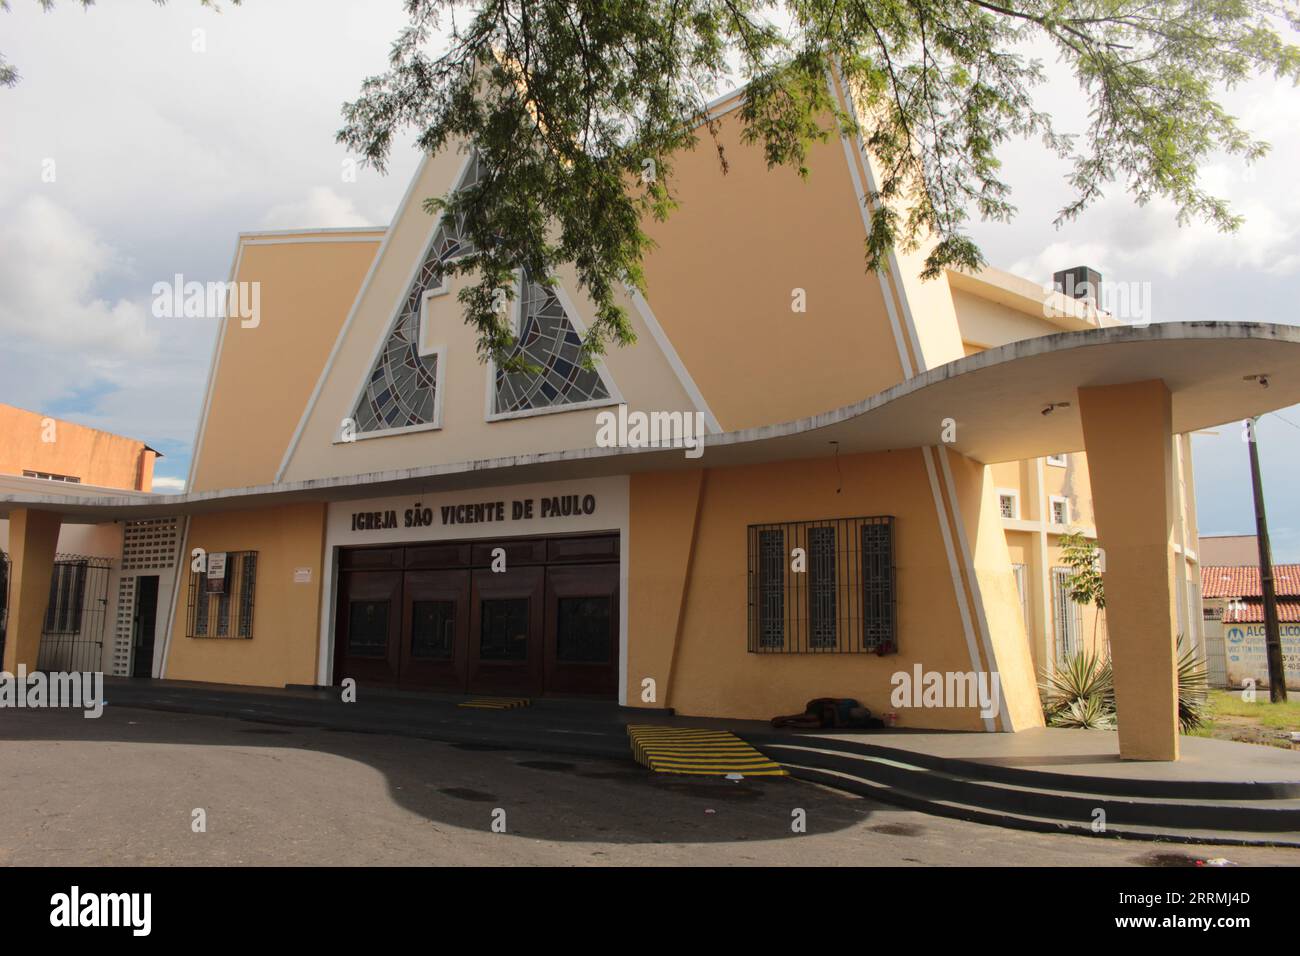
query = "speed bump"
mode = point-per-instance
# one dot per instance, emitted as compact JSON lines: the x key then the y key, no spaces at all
{"x":495,"y":703}
{"x":697,"y":751}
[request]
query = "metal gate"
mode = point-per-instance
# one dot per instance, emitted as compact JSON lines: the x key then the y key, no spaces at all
{"x":72,"y":634}
{"x":4,"y":602}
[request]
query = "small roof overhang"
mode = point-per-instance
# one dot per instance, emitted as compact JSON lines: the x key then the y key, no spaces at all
{"x":995,"y":398}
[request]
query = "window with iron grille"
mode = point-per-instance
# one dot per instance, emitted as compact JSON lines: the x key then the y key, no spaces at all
{"x":228,"y":612}
{"x":1066,"y":615}
{"x":822,"y":587}
{"x":771,"y":588}
{"x":67,"y":597}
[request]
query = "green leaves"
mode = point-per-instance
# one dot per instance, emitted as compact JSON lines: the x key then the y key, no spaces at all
{"x":1081,"y":556}
{"x":569,"y":99}
{"x":1080,"y":692}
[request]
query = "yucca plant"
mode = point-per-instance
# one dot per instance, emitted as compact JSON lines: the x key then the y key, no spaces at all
{"x":1193,"y":691}
{"x":1080,"y":693}
{"x":1085,"y":713}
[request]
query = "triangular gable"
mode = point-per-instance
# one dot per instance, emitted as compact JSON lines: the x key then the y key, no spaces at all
{"x":401,"y":390}
{"x":406,"y":332}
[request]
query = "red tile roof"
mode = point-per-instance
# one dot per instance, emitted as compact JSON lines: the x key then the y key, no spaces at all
{"x":1252,"y":612}
{"x":1218,"y":581}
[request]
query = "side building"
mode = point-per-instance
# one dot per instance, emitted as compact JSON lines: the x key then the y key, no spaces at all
{"x":109,"y":578}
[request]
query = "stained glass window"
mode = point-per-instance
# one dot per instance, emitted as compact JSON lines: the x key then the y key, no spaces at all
{"x":549,"y":342}
{"x":401,"y":389}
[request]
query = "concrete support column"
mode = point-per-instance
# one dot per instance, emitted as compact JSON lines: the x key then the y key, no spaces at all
{"x":33,"y":537}
{"x":1128,"y":436}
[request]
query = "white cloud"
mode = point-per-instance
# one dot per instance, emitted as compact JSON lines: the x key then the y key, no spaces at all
{"x":322,"y":209}
{"x":169,"y":485}
{"x":50,"y":263}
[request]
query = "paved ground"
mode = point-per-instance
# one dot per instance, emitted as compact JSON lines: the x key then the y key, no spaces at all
{"x":122,"y":790}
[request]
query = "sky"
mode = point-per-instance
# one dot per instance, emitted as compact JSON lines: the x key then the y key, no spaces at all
{"x":141,"y":140}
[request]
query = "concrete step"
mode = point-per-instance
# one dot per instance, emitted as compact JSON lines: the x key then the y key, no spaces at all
{"x":896,"y":750}
{"x":897,"y":796}
{"x":1269,"y":816}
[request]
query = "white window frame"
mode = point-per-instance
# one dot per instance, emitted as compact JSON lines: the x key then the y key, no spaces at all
{"x":1014,"y":495}
{"x":1051,"y":511}
{"x":1060,"y":461}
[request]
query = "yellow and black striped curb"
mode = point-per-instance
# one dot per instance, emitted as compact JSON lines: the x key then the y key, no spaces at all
{"x":697,"y":751}
{"x":495,"y":703}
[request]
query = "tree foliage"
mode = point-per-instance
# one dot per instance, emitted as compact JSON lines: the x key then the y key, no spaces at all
{"x":568,"y":100}
{"x":571,"y":102}
{"x":1081,"y":556}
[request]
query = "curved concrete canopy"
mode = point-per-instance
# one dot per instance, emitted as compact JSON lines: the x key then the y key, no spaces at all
{"x":995,"y":398}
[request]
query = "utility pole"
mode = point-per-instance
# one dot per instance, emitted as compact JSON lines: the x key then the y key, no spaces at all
{"x":1272,"y":636}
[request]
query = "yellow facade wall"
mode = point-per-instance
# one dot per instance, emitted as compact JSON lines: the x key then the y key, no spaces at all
{"x":286,"y":614}
{"x":263,"y":375}
{"x":712,"y":672}
{"x":996,"y":598}
{"x":30,"y":441}
{"x":725,"y":272}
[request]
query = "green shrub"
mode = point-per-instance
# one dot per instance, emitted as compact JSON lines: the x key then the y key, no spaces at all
{"x":1081,"y":692}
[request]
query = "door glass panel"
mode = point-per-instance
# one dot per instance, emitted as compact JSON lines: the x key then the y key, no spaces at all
{"x":504,"y":631}
{"x":368,"y":628}
{"x":433,"y":629}
{"x":582,"y":632}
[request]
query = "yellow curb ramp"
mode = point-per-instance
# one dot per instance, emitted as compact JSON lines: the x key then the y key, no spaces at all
{"x":690,"y":750}
{"x":495,"y":703}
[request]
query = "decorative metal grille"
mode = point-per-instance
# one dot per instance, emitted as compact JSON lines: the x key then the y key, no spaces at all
{"x":771,"y":588}
{"x":822,"y":587}
{"x":209,"y":614}
{"x":72,"y":634}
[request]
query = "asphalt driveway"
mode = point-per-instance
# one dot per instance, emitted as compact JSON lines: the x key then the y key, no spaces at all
{"x":128,"y":788}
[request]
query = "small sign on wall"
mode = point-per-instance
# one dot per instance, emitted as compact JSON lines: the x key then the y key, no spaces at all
{"x":216,"y":579}
{"x":302,"y":575}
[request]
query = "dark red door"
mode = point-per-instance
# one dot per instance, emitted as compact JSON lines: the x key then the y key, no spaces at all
{"x":368,"y":636}
{"x":505,"y":631}
{"x":435,"y":632}
{"x":581,"y":655}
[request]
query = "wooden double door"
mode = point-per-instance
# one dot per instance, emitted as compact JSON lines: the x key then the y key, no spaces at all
{"x":520,"y":616}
